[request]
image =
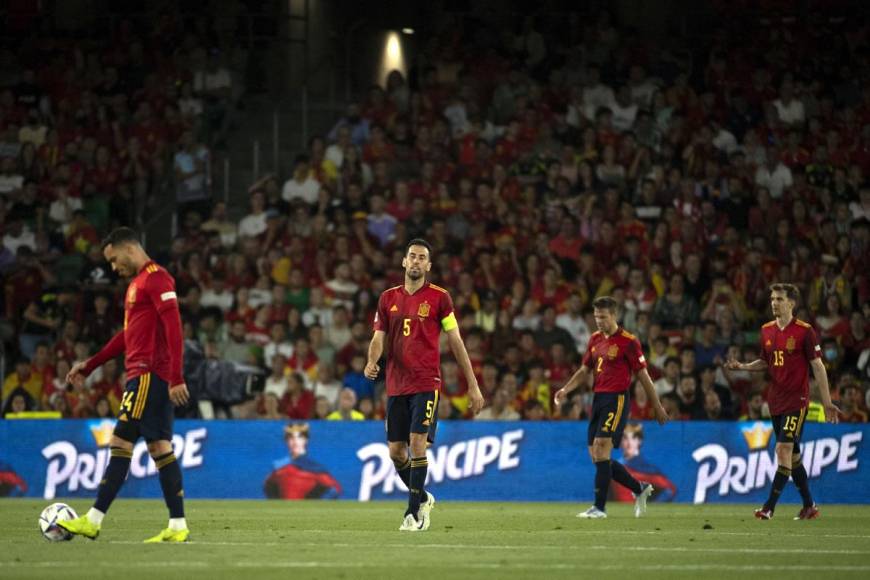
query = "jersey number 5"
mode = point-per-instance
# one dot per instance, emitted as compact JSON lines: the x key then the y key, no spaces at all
{"x":778,"y":359}
{"x":406,"y":327}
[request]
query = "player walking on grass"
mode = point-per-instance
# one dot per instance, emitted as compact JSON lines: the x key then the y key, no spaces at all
{"x":612,"y":356}
{"x":410,"y":318}
{"x":152,"y":340}
{"x":789,"y":348}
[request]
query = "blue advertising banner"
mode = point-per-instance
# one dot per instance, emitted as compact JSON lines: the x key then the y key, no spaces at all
{"x":695,"y":462}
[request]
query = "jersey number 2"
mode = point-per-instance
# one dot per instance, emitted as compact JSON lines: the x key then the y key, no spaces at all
{"x":600,"y":364}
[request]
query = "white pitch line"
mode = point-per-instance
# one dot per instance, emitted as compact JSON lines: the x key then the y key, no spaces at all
{"x":472,"y":566}
{"x":527,"y":547}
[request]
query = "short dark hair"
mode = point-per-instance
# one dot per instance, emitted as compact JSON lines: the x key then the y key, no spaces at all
{"x":419,"y":242}
{"x":606,"y":303}
{"x":120,"y":236}
{"x":792,"y":292}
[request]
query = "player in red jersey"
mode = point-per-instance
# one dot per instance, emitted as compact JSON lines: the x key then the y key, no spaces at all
{"x":613,"y":356}
{"x":410,"y":319}
{"x":789,"y":348}
{"x":152,"y":340}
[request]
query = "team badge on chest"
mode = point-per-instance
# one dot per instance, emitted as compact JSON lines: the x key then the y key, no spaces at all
{"x":423,"y":310}
{"x":789,"y":344}
{"x":613,"y":351}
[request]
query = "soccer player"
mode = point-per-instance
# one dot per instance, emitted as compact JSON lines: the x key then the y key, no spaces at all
{"x":612,"y":356}
{"x":789,"y":349}
{"x":152,"y":341}
{"x":409,"y":319}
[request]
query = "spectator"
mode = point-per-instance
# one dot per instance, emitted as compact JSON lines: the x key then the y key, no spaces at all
{"x":356,"y":380}
{"x":192,"y":176}
{"x":691,"y":403}
{"x":297,"y":402}
{"x":322,"y":408}
{"x":303,"y":186}
{"x":25,"y":379}
{"x":669,"y":381}
{"x":346,"y":410}
{"x":327,"y":386}
{"x":499,"y":408}
{"x":675,"y":309}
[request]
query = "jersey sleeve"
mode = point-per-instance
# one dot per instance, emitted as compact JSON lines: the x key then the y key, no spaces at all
{"x":446,"y":315}
{"x":812,"y":350}
{"x":160,"y":287}
{"x":161,"y":290}
{"x":382,"y":320}
{"x":762,"y":351}
{"x":587,"y":357}
{"x":634,"y":352}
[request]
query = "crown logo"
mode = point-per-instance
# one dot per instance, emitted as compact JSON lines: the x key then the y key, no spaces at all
{"x":757,"y":436}
{"x":102,"y":432}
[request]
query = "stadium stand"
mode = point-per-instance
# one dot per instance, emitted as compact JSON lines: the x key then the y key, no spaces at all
{"x":570,"y":160}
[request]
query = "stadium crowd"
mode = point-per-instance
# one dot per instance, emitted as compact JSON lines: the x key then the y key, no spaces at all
{"x":566,"y":160}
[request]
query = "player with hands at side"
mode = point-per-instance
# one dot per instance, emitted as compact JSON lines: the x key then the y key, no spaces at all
{"x":612,"y":356}
{"x":408,"y":322}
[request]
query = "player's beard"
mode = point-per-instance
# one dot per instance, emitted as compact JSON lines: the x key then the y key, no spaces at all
{"x":414,"y":274}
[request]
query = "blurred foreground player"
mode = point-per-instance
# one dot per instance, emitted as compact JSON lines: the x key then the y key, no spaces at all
{"x":613,"y":355}
{"x":411,"y":317}
{"x":789,"y":348}
{"x":152,"y":340}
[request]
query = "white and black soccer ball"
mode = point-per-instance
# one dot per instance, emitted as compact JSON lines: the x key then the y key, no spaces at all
{"x":48,"y":522}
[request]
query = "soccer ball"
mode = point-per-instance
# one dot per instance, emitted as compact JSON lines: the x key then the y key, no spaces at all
{"x":48,"y":522}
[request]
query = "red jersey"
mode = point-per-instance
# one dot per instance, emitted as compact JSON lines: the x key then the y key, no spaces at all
{"x":152,"y":328}
{"x":613,"y":360}
{"x":413,"y":323}
{"x":788,"y":353}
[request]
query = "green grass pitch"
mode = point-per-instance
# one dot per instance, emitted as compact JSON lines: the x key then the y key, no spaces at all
{"x":317,"y":539}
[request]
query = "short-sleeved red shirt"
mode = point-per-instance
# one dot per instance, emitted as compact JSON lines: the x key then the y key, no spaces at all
{"x":613,"y":360}
{"x":412,"y":323}
{"x":788,"y":353}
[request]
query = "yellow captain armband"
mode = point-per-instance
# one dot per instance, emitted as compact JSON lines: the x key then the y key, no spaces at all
{"x":448,"y":323}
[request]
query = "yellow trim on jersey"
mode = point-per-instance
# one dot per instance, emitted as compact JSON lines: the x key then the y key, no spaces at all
{"x":448,"y":323}
{"x":436,"y":287}
{"x":142,"y":395}
{"x":620,"y":403}
{"x":628,"y":335}
{"x":771,"y":323}
{"x":393,"y":288}
{"x":800,"y":322}
{"x":151,"y":269}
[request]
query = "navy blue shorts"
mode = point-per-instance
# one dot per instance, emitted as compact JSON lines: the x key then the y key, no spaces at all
{"x":145,"y":410}
{"x":417,"y":413}
{"x":789,"y":427}
{"x":609,"y":416}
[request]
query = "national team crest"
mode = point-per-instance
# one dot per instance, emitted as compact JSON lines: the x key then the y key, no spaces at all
{"x":423,"y":311}
{"x":613,"y":351}
{"x":789,"y":344}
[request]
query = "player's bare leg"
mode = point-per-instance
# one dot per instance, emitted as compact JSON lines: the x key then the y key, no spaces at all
{"x":173,"y":492}
{"x":784,"y":453}
{"x":89,"y":524}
